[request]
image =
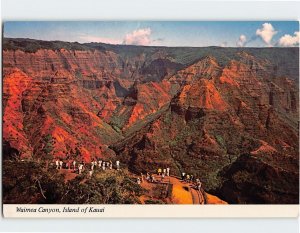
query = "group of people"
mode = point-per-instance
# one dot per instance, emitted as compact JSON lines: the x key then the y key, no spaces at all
{"x":191,"y":179}
{"x":59,"y":164}
{"x":103,"y":165}
{"x":68,"y":165}
{"x":149,"y":177}
{"x":162,"y":173}
{"x":187,"y":177}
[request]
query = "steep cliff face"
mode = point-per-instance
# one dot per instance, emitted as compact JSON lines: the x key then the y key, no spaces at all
{"x":83,"y":99}
{"x":193,"y":109}
{"x":14,"y":85}
{"x":56,"y":107}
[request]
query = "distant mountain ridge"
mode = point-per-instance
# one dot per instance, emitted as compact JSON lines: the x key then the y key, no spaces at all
{"x":183,"y":55}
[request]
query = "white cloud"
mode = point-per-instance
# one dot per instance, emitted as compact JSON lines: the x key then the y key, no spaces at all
{"x":105,"y":40}
{"x":289,"y":41}
{"x":138,"y":37}
{"x":224,"y":44}
{"x":241,"y":41}
{"x":266,"y":33}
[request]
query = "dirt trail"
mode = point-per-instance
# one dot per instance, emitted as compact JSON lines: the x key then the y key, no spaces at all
{"x":197,"y":197}
{"x":183,"y":193}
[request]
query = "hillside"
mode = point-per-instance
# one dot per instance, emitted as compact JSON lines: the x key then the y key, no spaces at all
{"x":227,"y":115}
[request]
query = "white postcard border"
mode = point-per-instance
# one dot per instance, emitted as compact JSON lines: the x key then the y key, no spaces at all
{"x":150,"y":211}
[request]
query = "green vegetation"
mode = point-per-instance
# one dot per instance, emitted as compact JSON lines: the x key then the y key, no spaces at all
{"x":116,"y":128}
{"x":107,"y":133}
{"x":31,"y":46}
{"x":220,"y":140}
{"x":47,"y":149}
{"x":242,"y":177}
{"x":78,"y":74}
{"x":110,"y":187}
{"x":26,"y":182}
{"x":250,"y":180}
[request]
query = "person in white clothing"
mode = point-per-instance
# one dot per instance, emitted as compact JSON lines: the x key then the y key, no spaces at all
{"x":164,"y":171}
{"x":60,"y":164}
{"x":80,"y":167}
{"x":148,"y":176}
{"x":183,"y":176}
{"x":198,"y":184}
{"x":168,"y":171}
{"x":57,"y":164}
{"x":118,"y":165}
{"x":74,"y":165}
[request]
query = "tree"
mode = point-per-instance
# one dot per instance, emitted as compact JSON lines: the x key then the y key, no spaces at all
{"x":26,"y":182}
{"x":10,"y":152}
{"x":47,"y":149}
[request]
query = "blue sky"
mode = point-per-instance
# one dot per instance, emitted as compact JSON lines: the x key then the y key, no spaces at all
{"x":165,"y":33}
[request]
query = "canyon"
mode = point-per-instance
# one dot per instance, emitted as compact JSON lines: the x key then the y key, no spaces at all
{"x":227,"y":115}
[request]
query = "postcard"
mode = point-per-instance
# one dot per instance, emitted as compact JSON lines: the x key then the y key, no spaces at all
{"x":150,"y":118}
